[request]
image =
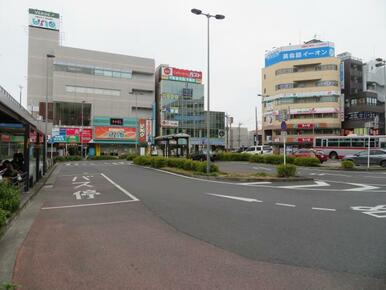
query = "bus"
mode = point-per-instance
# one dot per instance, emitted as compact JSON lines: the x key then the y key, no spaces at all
{"x":340,"y":146}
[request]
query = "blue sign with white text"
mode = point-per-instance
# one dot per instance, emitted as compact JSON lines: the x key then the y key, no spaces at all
{"x":299,"y":54}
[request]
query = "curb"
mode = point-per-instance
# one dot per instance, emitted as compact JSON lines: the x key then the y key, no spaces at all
{"x":34,"y":191}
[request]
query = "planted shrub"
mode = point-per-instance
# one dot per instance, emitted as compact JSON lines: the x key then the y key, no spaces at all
{"x":287,"y":170}
{"x":3,"y":217}
{"x":257,"y":158}
{"x":104,"y":157}
{"x":131,"y":156}
{"x":67,"y":158}
{"x":273,"y":159}
{"x":9,"y":198}
{"x":226,"y":156}
{"x":347,"y":164}
{"x":307,"y":161}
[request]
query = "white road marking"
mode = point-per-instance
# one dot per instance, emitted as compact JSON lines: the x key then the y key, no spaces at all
{"x":88,"y":204}
{"x":378,"y":211}
{"x":256,"y":183}
{"x":323,"y":208}
{"x":74,"y":179}
{"x":335,"y":174}
{"x":236,"y":197}
{"x":360,"y":187}
{"x":120,"y":188}
{"x":48,"y":186}
{"x":317,"y":184}
{"x":264,"y":168}
{"x":285,"y":204}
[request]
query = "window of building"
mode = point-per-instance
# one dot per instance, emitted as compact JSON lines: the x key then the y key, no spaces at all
{"x":353,"y":102}
{"x":84,"y":69}
{"x":70,"y":114}
{"x":93,"y":91}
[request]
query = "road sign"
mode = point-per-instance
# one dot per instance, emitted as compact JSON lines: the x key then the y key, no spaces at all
{"x":283,"y":126}
{"x":221,"y":133}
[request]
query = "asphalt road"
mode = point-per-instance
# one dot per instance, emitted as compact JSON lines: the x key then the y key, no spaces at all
{"x":112,"y":225}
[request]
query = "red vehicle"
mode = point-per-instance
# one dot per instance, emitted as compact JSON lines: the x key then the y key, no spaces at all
{"x":311,"y":153}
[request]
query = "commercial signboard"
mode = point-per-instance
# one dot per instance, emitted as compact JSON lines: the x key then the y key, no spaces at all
{"x":115,"y":133}
{"x":169,"y":124}
{"x":149,"y":131}
{"x":182,"y":75}
{"x":43,"y":19}
{"x":142,"y":131}
{"x":300,"y":52}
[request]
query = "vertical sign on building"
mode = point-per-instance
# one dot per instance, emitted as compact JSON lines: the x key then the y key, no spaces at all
{"x":142,"y":131}
{"x":149,"y":135}
{"x":341,"y":75}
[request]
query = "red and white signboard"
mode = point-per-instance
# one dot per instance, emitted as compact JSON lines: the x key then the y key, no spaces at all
{"x":305,"y":126}
{"x":305,"y":140}
{"x":176,"y":74}
{"x":148,"y":130}
{"x":169,"y":124}
{"x":142,"y":130}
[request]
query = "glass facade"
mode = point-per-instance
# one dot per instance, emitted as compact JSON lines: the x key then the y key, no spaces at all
{"x":93,"y":91}
{"x":70,"y":114}
{"x":181,"y":107}
{"x":83,"y":69}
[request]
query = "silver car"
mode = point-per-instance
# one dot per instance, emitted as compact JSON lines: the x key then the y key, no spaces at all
{"x":377,"y":157}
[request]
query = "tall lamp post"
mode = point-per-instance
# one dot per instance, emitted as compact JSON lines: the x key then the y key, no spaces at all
{"x":48,"y":57}
{"x":218,"y":17}
{"x":382,"y":62}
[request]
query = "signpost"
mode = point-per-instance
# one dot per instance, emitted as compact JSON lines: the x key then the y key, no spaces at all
{"x":368,"y":126}
{"x":283,"y":126}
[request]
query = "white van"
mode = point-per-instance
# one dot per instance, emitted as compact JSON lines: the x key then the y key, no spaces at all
{"x":262,"y":149}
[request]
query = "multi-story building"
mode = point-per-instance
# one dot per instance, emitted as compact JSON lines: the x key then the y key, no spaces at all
{"x":363,"y":102}
{"x":180,"y":107}
{"x":300,"y":85}
{"x":111,"y":95}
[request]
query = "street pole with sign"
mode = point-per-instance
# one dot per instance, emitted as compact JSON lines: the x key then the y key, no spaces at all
{"x":368,"y":126}
{"x":284,"y":136}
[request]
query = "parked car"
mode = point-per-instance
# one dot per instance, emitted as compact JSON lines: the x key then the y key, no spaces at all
{"x":304,"y":152}
{"x":262,"y":149}
{"x":377,"y":157}
{"x":201,"y":155}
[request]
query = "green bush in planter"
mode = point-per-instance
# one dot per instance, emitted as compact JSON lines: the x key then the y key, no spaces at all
{"x":347,"y":164}
{"x":131,"y":156}
{"x":273,"y":159}
{"x":3,"y":217}
{"x":307,"y":161}
{"x":257,"y":158}
{"x":9,"y":197}
{"x":287,"y":170}
{"x":159,"y":162}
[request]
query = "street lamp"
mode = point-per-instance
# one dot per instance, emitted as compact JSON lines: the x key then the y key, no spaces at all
{"x":262,"y":123}
{"x":382,"y":62}
{"x":218,"y":17}
{"x":48,"y":56}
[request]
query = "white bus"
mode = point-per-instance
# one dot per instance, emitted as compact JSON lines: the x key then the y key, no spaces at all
{"x":339,"y":146}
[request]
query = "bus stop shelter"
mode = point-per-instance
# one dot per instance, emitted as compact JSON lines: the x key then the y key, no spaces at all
{"x":174,"y":144}
{"x":21,"y":135}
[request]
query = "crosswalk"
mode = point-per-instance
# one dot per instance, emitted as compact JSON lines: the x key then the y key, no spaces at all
{"x":90,"y":163}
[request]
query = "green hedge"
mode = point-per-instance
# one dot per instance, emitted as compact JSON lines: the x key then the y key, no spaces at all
{"x":287,"y":170}
{"x":181,"y":163}
{"x":233,"y":156}
{"x":307,"y":161}
{"x":347,"y":164}
{"x":104,"y":157}
{"x":67,"y":158}
{"x":9,"y":198}
{"x":130,"y":157}
{"x":3,"y":217}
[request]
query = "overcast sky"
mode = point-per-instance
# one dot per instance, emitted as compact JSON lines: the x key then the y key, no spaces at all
{"x":167,"y":31}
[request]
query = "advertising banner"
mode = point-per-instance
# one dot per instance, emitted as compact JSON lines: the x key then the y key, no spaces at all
{"x":176,"y":74}
{"x":86,"y":135}
{"x":306,"y":51}
{"x":115,"y":133}
{"x":142,"y":130}
{"x":43,"y":19}
{"x":149,"y":131}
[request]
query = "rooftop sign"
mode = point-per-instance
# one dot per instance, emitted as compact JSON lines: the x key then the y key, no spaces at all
{"x":43,"y":19}
{"x":300,"y":52}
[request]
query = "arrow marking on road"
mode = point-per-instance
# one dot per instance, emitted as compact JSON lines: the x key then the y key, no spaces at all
{"x":318,"y":183}
{"x":361,"y":187}
{"x":258,"y":168}
{"x":236,"y":197}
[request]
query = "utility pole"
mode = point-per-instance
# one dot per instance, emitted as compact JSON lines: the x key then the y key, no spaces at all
{"x":256,"y":129}
{"x":239,"y":140}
